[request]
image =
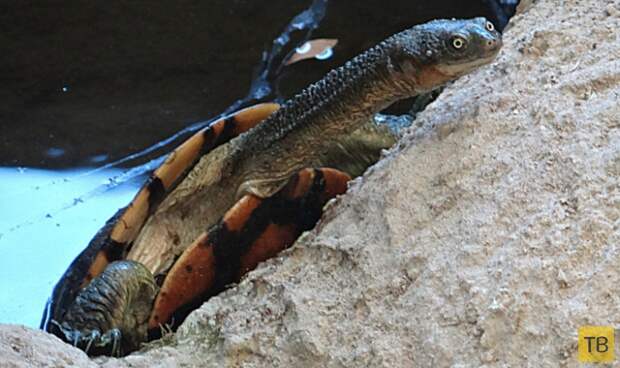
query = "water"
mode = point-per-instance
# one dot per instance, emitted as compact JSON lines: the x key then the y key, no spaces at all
{"x":47,"y":218}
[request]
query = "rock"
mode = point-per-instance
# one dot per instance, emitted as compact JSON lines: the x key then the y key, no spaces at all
{"x":486,"y":238}
{"x":24,"y":347}
{"x":524,"y":5}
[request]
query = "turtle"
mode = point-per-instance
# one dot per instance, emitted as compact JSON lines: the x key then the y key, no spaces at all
{"x":244,"y":188}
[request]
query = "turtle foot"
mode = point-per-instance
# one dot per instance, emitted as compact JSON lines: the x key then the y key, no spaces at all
{"x":93,"y":342}
{"x":109,"y":315}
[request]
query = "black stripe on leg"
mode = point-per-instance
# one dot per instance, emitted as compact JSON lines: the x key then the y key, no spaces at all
{"x":209,"y":140}
{"x":228,"y":131}
{"x":114,"y":250}
{"x":230,"y":246}
{"x":69,"y":284}
{"x":157,"y":191}
{"x":212,"y":139}
{"x":306,"y":210}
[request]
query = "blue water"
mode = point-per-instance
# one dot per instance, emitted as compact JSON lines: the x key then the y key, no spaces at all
{"x":46,"y":219}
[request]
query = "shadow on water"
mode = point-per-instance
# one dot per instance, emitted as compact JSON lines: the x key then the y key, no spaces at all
{"x":114,"y":86}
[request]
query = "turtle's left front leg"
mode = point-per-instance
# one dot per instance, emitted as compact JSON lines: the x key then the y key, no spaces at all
{"x":109,"y":316}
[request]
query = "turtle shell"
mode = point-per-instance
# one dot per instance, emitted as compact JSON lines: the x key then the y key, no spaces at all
{"x":115,"y":239}
{"x":225,"y":199}
{"x":164,"y":229}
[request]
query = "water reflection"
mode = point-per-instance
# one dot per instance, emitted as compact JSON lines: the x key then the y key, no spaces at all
{"x":325,"y":54}
{"x":46,"y":219}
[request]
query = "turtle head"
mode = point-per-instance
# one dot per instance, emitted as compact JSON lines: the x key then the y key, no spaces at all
{"x":431,"y":54}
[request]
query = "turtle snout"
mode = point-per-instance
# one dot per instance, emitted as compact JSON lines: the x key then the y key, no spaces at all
{"x":492,"y":43}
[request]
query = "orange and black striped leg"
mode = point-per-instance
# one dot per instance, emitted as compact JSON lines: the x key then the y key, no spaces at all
{"x":115,"y":239}
{"x":252,"y":231}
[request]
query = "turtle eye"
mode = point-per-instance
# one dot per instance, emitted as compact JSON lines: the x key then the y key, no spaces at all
{"x":490,"y":27}
{"x":458,"y":42}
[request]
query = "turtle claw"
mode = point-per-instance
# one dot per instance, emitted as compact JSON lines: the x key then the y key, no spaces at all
{"x":113,"y":337}
{"x":122,"y":297}
{"x":93,"y":336}
{"x":109,"y":342}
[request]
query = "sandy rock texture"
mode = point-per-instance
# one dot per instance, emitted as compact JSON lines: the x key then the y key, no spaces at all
{"x":524,"y":5}
{"x":24,"y":347}
{"x":484,"y":239}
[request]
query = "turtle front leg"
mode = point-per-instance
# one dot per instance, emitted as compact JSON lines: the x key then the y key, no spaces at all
{"x":109,"y":316}
{"x":253,"y":230}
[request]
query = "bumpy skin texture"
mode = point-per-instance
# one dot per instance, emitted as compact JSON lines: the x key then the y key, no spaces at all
{"x":117,"y":302}
{"x":112,"y":242}
{"x":327,"y":124}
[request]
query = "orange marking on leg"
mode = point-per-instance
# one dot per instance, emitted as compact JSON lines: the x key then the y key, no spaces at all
{"x":335,"y":183}
{"x":126,"y":228}
{"x":129,"y":224}
{"x":217,"y":128}
{"x":248,"y":118}
{"x":180,"y":159}
{"x":99,"y":264}
{"x":192,"y":275}
{"x":299,"y":185}
{"x":237,"y":216}
{"x":274,"y":239}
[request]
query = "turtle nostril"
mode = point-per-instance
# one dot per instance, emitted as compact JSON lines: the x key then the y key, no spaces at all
{"x":492,"y":45}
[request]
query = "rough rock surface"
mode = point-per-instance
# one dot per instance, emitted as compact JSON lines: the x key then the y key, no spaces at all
{"x":24,"y":347}
{"x":484,"y":239}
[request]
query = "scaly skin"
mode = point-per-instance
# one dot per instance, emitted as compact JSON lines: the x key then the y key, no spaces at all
{"x":309,"y":130}
{"x":407,"y":64}
{"x":121,"y":297}
{"x":326,"y":125}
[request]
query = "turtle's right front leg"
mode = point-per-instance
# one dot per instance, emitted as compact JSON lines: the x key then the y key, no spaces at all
{"x":109,"y":316}
{"x":253,"y":230}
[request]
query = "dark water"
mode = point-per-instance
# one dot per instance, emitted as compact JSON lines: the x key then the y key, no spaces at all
{"x":84,"y":84}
